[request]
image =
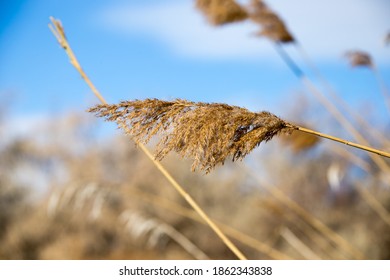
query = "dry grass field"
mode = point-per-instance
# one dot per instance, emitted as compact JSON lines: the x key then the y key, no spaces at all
{"x":271,"y":188}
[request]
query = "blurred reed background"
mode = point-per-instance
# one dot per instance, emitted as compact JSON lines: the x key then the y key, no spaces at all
{"x":295,"y":197}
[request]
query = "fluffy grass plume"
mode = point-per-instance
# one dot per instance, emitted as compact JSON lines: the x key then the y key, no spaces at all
{"x":359,"y":58}
{"x":386,"y":40}
{"x":272,"y":26}
{"x":219,"y":12}
{"x":209,"y":133}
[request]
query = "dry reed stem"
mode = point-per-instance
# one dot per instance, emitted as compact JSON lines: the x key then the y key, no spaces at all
{"x":298,"y":245}
{"x":185,"y":243}
{"x":319,"y":239}
{"x":332,"y":109}
{"x":309,"y":218}
{"x":384,"y":90}
{"x":138,"y":226}
{"x":336,"y":97}
{"x":351,"y":157}
{"x":336,"y":139}
{"x":374,"y":203}
{"x":370,"y":199}
{"x":219,"y":12}
{"x":188,"y":213}
{"x":58,"y":31}
{"x":347,"y":124}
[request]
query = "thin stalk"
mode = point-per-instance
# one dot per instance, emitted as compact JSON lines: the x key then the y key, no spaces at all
{"x":364,"y":193}
{"x":375,"y":205}
{"x":370,"y":199}
{"x":243,"y":238}
{"x":308,"y":217}
{"x":325,"y":246}
{"x":336,"y":97}
{"x":351,"y":157}
{"x":59,"y":33}
{"x":183,"y":241}
{"x":336,"y":139}
{"x":382,"y":85}
{"x":331,"y":108}
{"x":298,"y":244}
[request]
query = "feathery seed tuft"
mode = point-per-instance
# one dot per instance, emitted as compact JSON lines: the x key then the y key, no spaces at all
{"x":219,"y":12}
{"x":209,"y":133}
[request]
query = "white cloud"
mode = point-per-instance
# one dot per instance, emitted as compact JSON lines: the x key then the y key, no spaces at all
{"x":183,"y":29}
{"x":325,"y":28}
{"x":329,"y":28}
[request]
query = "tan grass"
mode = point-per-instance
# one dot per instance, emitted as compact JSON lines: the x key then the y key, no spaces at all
{"x":308,"y":217}
{"x":243,"y":238}
{"x":298,"y":244}
{"x":210,"y":133}
{"x":319,"y":241}
{"x":139,"y":226}
{"x":369,"y":198}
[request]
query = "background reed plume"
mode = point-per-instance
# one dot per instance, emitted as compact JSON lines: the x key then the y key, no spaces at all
{"x":271,"y":24}
{"x":359,"y":58}
{"x":219,"y":12}
{"x":208,"y":133}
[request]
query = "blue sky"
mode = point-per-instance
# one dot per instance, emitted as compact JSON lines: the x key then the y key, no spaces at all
{"x":165,"y":49}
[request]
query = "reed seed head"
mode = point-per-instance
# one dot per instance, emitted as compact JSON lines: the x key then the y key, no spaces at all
{"x":387,"y":39}
{"x":359,"y":58}
{"x":208,"y":133}
{"x":219,"y":12}
{"x":272,"y":26}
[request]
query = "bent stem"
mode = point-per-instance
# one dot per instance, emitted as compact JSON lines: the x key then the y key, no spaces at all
{"x":333,"y":110}
{"x":336,"y":139}
{"x":337,"y":98}
{"x":59,"y":33}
